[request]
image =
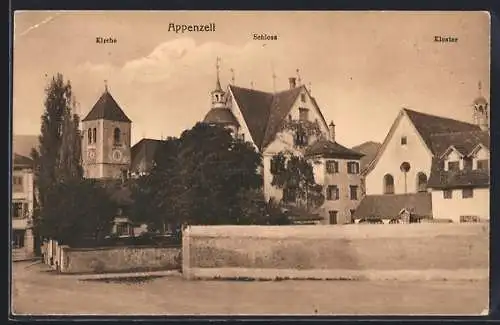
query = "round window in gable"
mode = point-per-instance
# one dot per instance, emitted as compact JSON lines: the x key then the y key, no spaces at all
{"x":405,"y":167}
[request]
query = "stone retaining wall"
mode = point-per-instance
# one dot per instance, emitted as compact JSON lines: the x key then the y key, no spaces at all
{"x":411,"y":251}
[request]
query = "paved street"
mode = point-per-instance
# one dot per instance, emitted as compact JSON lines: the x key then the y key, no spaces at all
{"x":37,"y":291}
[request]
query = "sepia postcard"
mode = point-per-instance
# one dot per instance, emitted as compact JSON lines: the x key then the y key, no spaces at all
{"x":250,"y":163}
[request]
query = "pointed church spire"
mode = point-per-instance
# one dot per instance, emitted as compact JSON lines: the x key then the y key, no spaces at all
{"x":217,"y":66}
{"x":218,"y":94}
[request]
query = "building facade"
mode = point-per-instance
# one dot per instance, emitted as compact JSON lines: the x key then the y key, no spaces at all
{"x":291,"y":122}
{"x":22,"y":206}
{"x":106,"y":147}
{"x":445,"y":162}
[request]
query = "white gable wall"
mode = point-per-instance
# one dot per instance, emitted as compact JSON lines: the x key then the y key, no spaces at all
{"x":314,"y":113}
{"x":414,"y":152}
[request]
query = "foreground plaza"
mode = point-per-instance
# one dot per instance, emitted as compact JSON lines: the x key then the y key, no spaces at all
{"x":37,"y":290}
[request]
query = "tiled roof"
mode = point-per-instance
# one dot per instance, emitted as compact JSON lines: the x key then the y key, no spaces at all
{"x":437,"y":132}
{"x":280,"y":108}
{"x":21,"y":161}
{"x":265,"y":112}
{"x":143,"y":154}
{"x":108,"y":109}
{"x":255,"y":108}
{"x":329,"y":149}
{"x":428,"y":125}
{"x":23,"y":144}
{"x":389,"y":206}
{"x":220,"y":115}
{"x":464,"y":142}
{"x":441,"y":179}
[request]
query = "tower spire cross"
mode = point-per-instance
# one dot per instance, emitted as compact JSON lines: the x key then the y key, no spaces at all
{"x":217,"y":66}
{"x":232,"y":75}
{"x":298,"y":77}
{"x":106,"y":85}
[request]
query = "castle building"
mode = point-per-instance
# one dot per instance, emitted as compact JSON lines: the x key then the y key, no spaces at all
{"x":291,"y":121}
{"x":431,"y":167}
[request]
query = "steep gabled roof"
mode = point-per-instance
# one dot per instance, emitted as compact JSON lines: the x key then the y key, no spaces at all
{"x":143,"y":153}
{"x":329,"y":149}
{"x":255,"y":107}
{"x":390,"y":205}
{"x":280,"y":108}
{"x":464,"y":142}
{"x":449,"y":179}
{"x":438,"y":133}
{"x":265,"y":112}
{"x":108,"y":109}
{"x":428,"y":125}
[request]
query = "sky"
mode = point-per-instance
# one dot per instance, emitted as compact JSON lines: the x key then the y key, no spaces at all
{"x":362,"y":67}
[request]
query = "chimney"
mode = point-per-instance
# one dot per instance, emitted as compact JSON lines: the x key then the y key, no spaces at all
{"x":332,"y":131}
{"x":293,"y":82}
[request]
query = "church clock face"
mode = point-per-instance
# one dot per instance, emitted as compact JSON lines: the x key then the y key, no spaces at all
{"x":91,"y":154}
{"x":117,"y":155}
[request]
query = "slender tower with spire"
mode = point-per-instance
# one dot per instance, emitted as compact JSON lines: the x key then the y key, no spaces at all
{"x":217,"y":93}
{"x":220,"y":113}
{"x":481,"y":109}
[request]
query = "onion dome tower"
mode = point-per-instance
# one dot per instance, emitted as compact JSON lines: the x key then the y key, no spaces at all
{"x":219,"y":113}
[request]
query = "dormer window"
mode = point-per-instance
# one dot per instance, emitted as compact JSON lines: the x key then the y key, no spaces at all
{"x":454,"y":160}
{"x":453,"y":166}
{"x":404,"y":140}
{"x":483,"y":164}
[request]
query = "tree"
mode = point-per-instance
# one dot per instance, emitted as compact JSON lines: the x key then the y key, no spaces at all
{"x":155,"y":194}
{"x":58,"y":157}
{"x":78,"y":210}
{"x":199,"y":177}
{"x":295,"y":176}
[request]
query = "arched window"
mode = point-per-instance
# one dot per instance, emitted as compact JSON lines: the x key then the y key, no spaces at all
{"x":388,"y":184}
{"x":421,"y":182}
{"x":94,"y":136}
{"x":89,"y":135}
{"x":117,"y":136}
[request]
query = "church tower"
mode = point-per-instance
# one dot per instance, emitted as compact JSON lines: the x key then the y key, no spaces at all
{"x":220,"y":113}
{"x":106,"y":139}
{"x":481,"y":110}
